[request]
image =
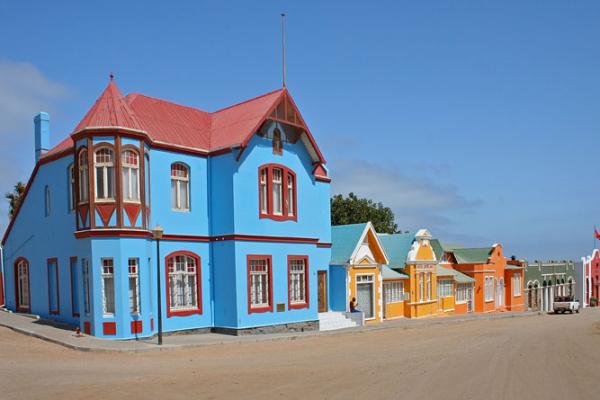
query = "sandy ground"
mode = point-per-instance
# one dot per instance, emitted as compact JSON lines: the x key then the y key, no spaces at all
{"x":540,"y":357}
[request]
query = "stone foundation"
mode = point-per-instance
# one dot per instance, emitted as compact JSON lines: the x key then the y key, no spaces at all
{"x":281,"y":328}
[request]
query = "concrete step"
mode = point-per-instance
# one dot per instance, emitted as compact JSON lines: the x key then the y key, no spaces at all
{"x":330,"y":321}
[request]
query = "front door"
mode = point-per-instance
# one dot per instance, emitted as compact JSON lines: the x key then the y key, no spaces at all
{"x":322,"y":277}
{"x":365,"y":299}
{"x":22,"y":286}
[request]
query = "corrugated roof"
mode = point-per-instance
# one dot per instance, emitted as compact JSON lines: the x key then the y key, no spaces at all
{"x":458,"y":276}
{"x":388,"y":273}
{"x":437,"y":248}
{"x":396,"y":247}
{"x":473,"y":255}
{"x":514,"y":267}
{"x":344,"y":239}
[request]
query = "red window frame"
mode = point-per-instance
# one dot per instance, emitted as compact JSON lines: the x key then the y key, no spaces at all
{"x":269,"y":260}
{"x":285,"y":172}
{"x":48,"y":262}
{"x":306,"y":286}
{"x":184,"y":313}
{"x":16,"y":273}
{"x":73,"y":299}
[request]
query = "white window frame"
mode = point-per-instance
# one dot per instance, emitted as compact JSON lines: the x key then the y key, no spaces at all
{"x":131,"y":185}
{"x":108,"y":279}
{"x":298,"y":281}
{"x":462,"y":292}
{"x":264,"y":191}
{"x":180,"y":181}
{"x":182,"y":272}
{"x":428,"y":286}
{"x":84,"y":188}
{"x":516,"y":285}
{"x":444,"y":287}
{"x":277,"y":189}
{"x":133,"y":269}
{"x":489,"y":292}
{"x":290,"y":195}
{"x":259,"y":282}
{"x":23,"y":284}
{"x":72,"y":199}
{"x":108,"y":179}
{"x":394,"y":292}
{"x":421,"y":280}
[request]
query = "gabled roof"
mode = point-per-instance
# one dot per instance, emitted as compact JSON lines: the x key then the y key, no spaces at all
{"x":346,"y":239}
{"x":388,"y":274}
{"x":473,"y":255}
{"x":167,"y":123}
{"x":397,"y":246}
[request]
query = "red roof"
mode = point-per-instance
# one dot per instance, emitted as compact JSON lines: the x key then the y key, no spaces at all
{"x":172,"y":124}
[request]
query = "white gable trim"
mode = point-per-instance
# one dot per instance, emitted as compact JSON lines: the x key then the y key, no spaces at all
{"x":369,"y":227}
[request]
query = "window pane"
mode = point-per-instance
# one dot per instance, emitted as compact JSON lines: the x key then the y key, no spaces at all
{"x":100,"y":183}
{"x":111,"y":181}
{"x":184,"y":195}
{"x":174,"y":194}
{"x":125,"y":177}
{"x":135,"y":192}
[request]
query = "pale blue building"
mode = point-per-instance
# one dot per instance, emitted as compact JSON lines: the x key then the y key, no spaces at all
{"x":241,"y":194}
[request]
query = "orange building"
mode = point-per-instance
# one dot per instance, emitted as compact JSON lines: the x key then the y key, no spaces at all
{"x":498,"y":285}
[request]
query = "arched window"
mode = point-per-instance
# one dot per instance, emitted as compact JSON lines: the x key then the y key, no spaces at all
{"x":22,"y":290}
{"x":104,"y":164}
{"x":47,"y":201}
{"x":180,"y":187}
{"x":183,"y":288}
{"x":277,"y":144}
{"x":71,"y":177}
{"x":83,"y":176}
{"x":277,"y":193}
{"x":131,"y":177}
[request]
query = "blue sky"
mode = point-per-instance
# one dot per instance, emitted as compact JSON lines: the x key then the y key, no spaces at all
{"x":477,"y":120}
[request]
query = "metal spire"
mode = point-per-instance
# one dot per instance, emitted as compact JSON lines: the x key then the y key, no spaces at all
{"x":283,"y":45}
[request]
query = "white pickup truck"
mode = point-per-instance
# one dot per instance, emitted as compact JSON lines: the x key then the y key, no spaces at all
{"x":564,"y":304}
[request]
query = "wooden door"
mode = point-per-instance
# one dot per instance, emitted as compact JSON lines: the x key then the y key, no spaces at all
{"x":322,"y":276}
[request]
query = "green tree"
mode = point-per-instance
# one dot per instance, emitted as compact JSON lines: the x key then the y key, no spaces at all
{"x":354,"y":210}
{"x":14,"y":198}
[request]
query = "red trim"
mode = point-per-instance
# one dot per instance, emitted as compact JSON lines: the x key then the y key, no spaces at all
{"x":87,"y":328}
{"x":106,"y":211}
{"x":285,"y":171}
{"x":324,"y":245}
{"x":306,"y":286}
{"x":269,"y":259}
{"x":183,"y":313}
{"x":48,"y":262}
{"x":1,"y":290}
{"x":260,"y":238}
{"x":113,"y":233}
{"x":109,"y":328}
{"x":71,"y":259}
{"x":132,"y":211}
{"x":188,"y":238}
{"x":16,"y":273}
{"x":323,"y":179}
{"x":136,"y":326}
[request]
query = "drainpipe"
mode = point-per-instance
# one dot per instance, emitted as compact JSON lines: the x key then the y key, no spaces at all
{"x":2,"y":286}
{"x":210,"y":244}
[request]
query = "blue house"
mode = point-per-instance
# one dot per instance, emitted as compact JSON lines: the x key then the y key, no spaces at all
{"x":241,"y":196}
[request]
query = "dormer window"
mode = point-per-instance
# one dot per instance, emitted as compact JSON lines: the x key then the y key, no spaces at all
{"x":277,"y":193}
{"x":131,"y":176}
{"x":277,"y":144}
{"x":105,"y":174}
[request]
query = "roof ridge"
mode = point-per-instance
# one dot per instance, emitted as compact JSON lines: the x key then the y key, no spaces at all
{"x":249,"y":100}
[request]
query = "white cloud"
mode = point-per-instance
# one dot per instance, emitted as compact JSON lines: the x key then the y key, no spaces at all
{"x":24,"y":91}
{"x":417,"y":201}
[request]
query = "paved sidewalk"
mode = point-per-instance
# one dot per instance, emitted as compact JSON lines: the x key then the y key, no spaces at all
{"x":33,"y":326}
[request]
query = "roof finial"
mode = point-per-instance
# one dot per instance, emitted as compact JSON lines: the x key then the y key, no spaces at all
{"x":283,"y":45}
{"x":112,"y":77}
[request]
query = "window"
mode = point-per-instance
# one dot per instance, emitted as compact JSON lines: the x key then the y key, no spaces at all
{"x":47,"y":201}
{"x":277,"y":193}
{"x":421,"y":286}
{"x":516,"y":282}
{"x":71,"y":187}
{"x":105,"y":174}
{"x":393,"y":292}
{"x":429,"y":286}
{"x":83,"y":176}
{"x":463,"y":292}
{"x":259,"y":284}
{"x":444,"y":288}
{"x":489,"y":288}
{"x":298,"y":281}
{"x":108,"y":286}
{"x":131,"y":177}
{"x":86,"y":286}
{"x":134,"y":286}
{"x":180,"y":187}
{"x":22,"y":274}
{"x":183,"y":289}
{"x":53,"y":299}
{"x":74,"y":287}
{"x":277,"y":144}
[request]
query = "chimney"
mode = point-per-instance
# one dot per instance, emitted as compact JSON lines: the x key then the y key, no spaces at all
{"x":42,"y":134}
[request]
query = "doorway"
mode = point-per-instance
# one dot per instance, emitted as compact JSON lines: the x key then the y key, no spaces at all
{"x":322,"y":289}
{"x":23,"y":299}
{"x":365,"y":292}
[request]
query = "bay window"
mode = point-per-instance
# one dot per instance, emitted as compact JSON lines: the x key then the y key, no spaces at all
{"x":180,"y":187}
{"x":277,"y":193}
{"x":260,"y":289}
{"x":83,"y":176}
{"x":105,"y":174}
{"x":298,"y":281}
{"x":131,"y":176}
{"x":183,"y":289}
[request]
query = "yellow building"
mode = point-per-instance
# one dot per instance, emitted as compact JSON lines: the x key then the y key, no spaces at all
{"x":358,"y":256}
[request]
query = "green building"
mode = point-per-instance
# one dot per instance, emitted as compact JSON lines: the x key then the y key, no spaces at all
{"x":546,"y":280}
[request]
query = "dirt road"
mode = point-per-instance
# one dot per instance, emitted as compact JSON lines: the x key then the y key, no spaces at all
{"x":540,"y":357}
